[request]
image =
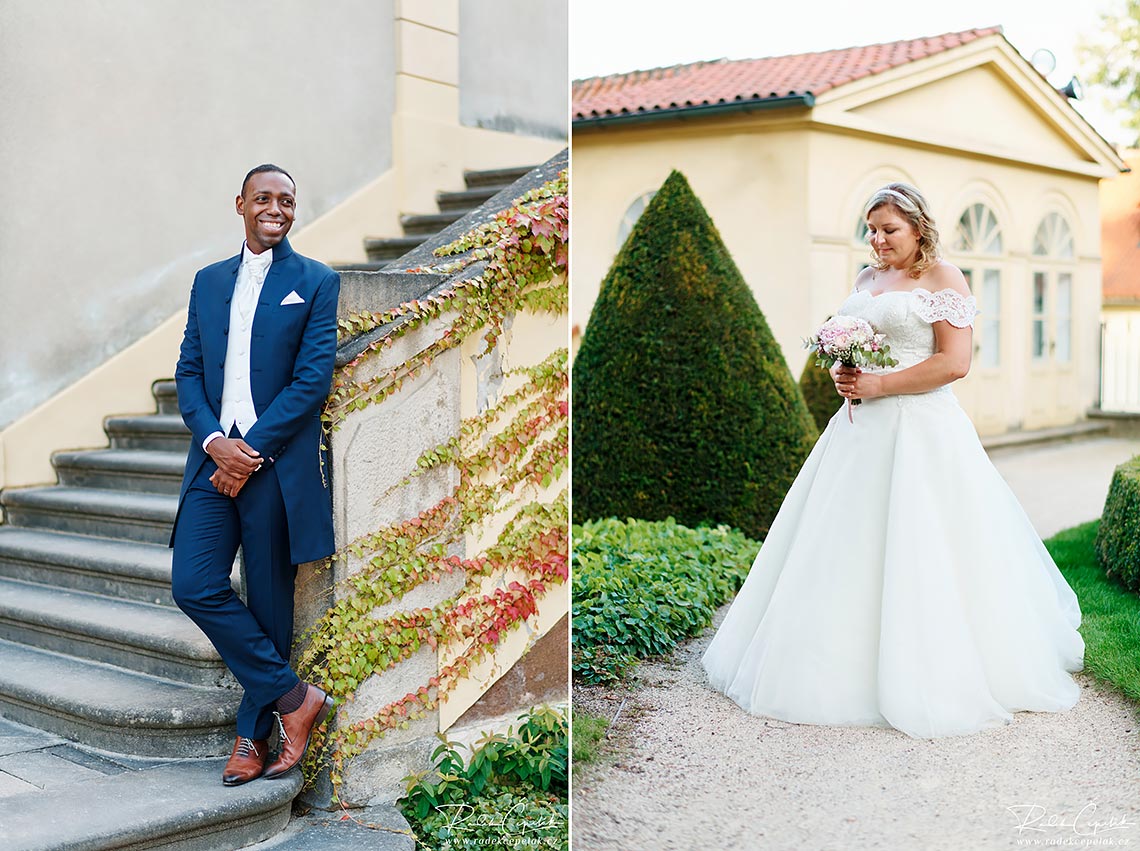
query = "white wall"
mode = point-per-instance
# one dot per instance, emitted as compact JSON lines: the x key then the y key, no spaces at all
{"x":513,"y":60}
{"x":127,"y":128}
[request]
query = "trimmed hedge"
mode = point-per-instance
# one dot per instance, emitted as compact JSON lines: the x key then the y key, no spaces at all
{"x":819,"y":393}
{"x":1118,"y":539}
{"x":683,"y":404}
{"x":641,"y":586}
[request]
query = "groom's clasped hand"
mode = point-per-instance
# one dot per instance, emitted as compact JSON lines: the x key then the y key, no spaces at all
{"x":236,"y":461}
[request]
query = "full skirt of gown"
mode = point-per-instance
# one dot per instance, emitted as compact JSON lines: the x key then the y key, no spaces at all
{"x":900,"y":584}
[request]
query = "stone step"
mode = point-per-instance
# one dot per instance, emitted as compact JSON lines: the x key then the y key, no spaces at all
{"x":500,"y":177}
{"x":429,"y":224}
{"x":111,"y":709}
{"x":166,"y":395}
{"x":468,"y":199}
{"x":123,"y":569}
{"x":157,"y":640}
{"x":1056,"y":434}
{"x":146,"y":517}
{"x":165,"y":432}
{"x":136,"y":470}
{"x":390,"y":248}
{"x":180,"y":806}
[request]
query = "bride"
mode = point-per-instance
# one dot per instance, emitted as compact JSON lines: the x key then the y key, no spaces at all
{"x":901,"y":583}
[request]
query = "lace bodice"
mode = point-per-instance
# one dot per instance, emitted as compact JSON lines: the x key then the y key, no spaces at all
{"x":907,"y":316}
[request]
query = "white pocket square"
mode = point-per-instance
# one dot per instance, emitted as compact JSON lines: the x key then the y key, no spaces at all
{"x":292,"y":298}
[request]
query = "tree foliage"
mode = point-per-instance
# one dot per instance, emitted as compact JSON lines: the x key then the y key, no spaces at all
{"x":683,"y":404}
{"x":1109,"y":59}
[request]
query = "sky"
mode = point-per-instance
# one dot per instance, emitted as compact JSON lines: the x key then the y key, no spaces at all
{"x":610,"y":36}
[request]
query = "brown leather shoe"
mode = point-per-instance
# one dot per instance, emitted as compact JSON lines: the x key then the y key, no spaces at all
{"x":295,"y":728}
{"x":246,"y":762}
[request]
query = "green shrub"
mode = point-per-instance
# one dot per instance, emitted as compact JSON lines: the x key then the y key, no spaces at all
{"x":641,"y":586}
{"x":511,"y":793}
{"x":1118,"y":539}
{"x":683,"y":404}
{"x":819,"y":393}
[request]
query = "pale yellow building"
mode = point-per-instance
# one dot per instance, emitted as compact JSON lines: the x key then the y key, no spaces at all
{"x":783,"y":152}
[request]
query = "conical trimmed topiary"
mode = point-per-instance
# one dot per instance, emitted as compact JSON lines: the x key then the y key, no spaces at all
{"x":819,"y":393}
{"x":683,"y":405}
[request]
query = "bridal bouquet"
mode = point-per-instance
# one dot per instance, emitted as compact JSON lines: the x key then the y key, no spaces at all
{"x":850,"y":341}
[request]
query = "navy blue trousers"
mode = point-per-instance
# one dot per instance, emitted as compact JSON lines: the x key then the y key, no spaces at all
{"x":254,"y":638}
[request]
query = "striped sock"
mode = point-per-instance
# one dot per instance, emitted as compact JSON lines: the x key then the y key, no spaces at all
{"x":291,"y":701}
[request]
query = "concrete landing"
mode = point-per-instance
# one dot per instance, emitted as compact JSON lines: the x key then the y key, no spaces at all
{"x":55,"y":794}
{"x":321,"y":831}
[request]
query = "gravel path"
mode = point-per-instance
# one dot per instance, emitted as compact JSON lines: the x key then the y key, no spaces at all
{"x":691,"y":770}
{"x":694,"y":771}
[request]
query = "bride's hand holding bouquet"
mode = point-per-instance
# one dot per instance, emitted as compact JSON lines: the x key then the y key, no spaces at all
{"x":850,"y":343}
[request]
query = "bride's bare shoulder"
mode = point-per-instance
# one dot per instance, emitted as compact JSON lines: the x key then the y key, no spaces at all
{"x":864,"y":278}
{"x":945,"y":276}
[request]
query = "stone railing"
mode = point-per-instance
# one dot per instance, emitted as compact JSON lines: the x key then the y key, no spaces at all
{"x":377,"y":484}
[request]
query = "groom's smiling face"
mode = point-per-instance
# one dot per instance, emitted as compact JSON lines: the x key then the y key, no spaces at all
{"x":268,"y":205}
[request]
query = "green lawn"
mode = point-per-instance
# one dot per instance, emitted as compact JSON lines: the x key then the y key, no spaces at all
{"x":587,"y":736}
{"x":1110,"y":620}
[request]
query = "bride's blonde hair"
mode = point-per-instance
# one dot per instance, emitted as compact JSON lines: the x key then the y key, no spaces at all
{"x":910,"y":204}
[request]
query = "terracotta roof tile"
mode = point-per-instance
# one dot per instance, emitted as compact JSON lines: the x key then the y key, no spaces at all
{"x":733,"y":81}
{"x":1120,"y":233}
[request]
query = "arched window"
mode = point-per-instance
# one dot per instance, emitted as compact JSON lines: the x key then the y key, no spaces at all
{"x":1054,"y":238}
{"x":632,"y":214}
{"x":1051,"y":337}
{"x":978,"y":233}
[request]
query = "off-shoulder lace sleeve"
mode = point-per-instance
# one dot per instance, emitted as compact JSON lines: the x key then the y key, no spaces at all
{"x":946,"y":304}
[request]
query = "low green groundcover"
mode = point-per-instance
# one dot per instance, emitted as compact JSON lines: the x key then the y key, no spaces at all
{"x":641,"y":586}
{"x":512,"y":793}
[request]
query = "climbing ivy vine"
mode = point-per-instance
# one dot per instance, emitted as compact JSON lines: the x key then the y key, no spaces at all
{"x":523,"y":253}
{"x":506,"y":457}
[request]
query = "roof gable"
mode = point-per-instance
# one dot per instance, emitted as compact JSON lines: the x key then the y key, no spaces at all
{"x":975,"y":109}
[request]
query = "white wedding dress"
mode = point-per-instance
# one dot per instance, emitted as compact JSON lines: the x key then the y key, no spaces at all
{"x":901,"y":583}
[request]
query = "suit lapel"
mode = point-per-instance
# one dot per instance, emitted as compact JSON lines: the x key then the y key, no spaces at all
{"x":277,"y":282}
{"x":227,"y":282}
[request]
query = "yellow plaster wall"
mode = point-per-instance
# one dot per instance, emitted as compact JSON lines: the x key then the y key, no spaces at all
{"x":749,"y":178}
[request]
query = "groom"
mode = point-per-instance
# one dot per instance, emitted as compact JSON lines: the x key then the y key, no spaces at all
{"x":254,"y":369}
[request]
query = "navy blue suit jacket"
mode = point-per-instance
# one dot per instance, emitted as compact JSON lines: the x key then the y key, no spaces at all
{"x":292,"y":354}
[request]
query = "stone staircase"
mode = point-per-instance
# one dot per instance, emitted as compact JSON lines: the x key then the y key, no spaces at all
{"x":85,"y":599}
{"x":481,"y":186}
{"x":93,"y":650}
{"x":102,"y":677}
